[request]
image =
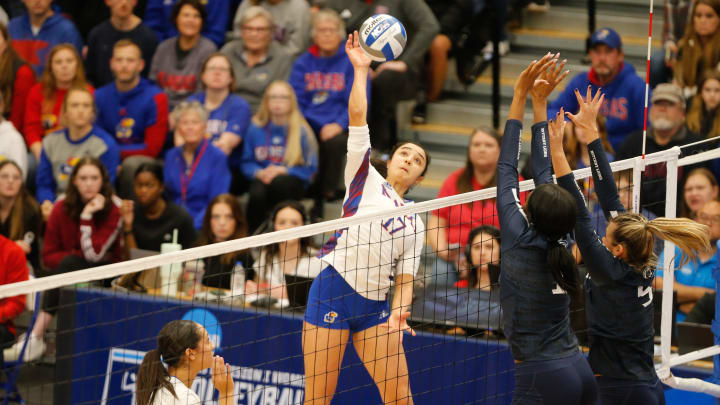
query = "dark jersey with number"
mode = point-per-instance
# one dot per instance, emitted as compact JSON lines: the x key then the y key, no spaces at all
{"x":618,"y":298}
{"x":535,"y":309}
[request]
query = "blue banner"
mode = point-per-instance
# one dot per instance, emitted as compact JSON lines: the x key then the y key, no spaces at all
{"x":112,"y":332}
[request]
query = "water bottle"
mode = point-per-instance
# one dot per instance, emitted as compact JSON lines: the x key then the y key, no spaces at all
{"x":238,"y":280}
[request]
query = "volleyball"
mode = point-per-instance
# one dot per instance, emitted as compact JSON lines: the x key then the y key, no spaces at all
{"x":382,"y":37}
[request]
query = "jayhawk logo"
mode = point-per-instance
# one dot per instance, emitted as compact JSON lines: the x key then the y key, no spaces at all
{"x":330,"y":317}
{"x":320,"y":97}
{"x":603,"y":34}
{"x":67,"y":167}
{"x":124,"y":128}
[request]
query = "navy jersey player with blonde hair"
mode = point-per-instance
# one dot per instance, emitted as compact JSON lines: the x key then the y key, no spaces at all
{"x":618,"y":291}
{"x":349,"y":297}
{"x":538,"y":274}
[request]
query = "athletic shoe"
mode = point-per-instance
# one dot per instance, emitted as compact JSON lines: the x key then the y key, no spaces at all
{"x":503,"y":46}
{"x":419,"y":115}
{"x":33,"y":351}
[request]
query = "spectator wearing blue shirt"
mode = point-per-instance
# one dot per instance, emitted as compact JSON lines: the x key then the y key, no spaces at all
{"x":197,"y":171}
{"x":624,"y":90}
{"x":695,"y":278}
{"x":158,"y":12}
{"x":229,"y":113}
{"x":37,"y":32}
{"x":279,"y":154}
{"x":322,"y":78}
{"x":61,"y":150}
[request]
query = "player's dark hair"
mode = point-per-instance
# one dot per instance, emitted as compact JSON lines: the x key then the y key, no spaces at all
{"x":196,"y":4}
{"x":153,"y":168}
{"x":174,"y":338}
{"x":403,"y":143}
{"x":551,"y":210}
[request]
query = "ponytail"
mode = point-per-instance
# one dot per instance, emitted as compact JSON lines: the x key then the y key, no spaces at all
{"x":563,"y":267}
{"x":690,"y":236}
{"x":638,"y":234}
{"x":173,"y":339}
{"x":152,"y":377}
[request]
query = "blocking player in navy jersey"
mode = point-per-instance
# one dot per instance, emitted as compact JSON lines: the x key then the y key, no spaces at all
{"x":621,"y":267}
{"x":538,"y":273}
{"x":349,"y":297}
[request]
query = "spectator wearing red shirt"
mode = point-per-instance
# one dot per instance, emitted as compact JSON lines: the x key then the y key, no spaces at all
{"x":448,"y":228}
{"x":83,"y":231}
{"x":14,"y":269}
{"x":64,"y":70}
{"x":16,"y":79}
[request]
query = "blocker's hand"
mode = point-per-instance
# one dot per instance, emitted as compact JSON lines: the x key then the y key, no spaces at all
{"x":527,"y":78}
{"x":557,"y":131}
{"x":586,"y":119}
{"x":549,"y":79}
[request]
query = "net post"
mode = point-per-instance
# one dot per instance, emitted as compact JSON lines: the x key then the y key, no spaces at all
{"x":669,"y":253}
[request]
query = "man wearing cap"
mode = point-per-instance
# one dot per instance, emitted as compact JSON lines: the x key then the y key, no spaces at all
{"x":666,"y":129}
{"x":624,"y":90}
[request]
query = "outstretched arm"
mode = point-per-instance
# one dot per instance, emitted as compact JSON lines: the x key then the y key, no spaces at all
{"x":539,"y":153}
{"x":357,"y":104}
{"x":586,"y":127}
{"x":512,"y":219}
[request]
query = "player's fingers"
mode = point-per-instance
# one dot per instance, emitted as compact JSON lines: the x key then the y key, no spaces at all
{"x":562,"y":76}
{"x":579,"y":98}
{"x":600,"y":102}
{"x":356,"y":39}
{"x":588,"y":96}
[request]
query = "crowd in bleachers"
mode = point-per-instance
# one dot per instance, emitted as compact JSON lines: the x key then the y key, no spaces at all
{"x":124,"y":121}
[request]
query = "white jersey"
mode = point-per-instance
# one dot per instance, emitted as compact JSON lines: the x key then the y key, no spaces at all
{"x":365,"y":255}
{"x":306,"y":266}
{"x":183,"y":395}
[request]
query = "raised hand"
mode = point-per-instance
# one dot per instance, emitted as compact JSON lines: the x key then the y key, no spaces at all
{"x":557,"y":131}
{"x":586,"y":118}
{"x":355,"y":53}
{"x":549,"y":79}
{"x":527,"y":78}
{"x":221,"y":376}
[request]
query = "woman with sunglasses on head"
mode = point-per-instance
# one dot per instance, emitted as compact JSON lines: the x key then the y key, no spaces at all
{"x":618,"y":290}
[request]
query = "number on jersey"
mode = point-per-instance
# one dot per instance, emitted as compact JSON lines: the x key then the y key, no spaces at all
{"x":645,"y":291}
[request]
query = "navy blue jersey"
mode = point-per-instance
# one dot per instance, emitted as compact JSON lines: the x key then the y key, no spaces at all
{"x":535,"y":309}
{"x":618,"y":298}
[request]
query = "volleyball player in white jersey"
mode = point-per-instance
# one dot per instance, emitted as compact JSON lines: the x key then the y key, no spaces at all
{"x":349,"y":297}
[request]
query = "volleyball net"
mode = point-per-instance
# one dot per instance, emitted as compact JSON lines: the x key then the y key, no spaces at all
{"x":253,"y":307}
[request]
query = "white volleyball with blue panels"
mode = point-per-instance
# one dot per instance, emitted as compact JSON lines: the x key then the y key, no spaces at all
{"x":382,"y":37}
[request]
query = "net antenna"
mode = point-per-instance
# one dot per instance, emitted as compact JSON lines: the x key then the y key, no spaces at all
{"x":669,"y":360}
{"x":647,"y":84}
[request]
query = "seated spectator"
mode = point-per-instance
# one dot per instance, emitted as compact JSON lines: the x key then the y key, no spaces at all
{"x":89,"y":204}
{"x":42,"y":111}
{"x":20,"y":218}
{"x":279,"y":153}
{"x":577,"y":154}
{"x":292,"y":22}
{"x":452,"y":16}
{"x":481,"y":253}
{"x":12,"y":144}
{"x":674,"y":25}
{"x":16,"y":80}
{"x":700,"y":187}
{"x":36,"y":33}
{"x":229,"y":113}
{"x":197,"y":171}
{"x":322,"y":78}
{"x":257,"y":60}
{"x":624,"y":90}
{"x":62,"y":150}
{"x":178,"y":60}
{"x":694,"y":278}
{"x":159,"y":13}
{"x":448,"y":228}
{"x":666,"y":129}
{"x":704,"y":310}
{"x":123,"y":24}
{"x":704,"y":115}
{"x":699,"y":49}
{"x":12,"y":261}
{"x":134,"y":110}
{"x":395,"y":80}
{"x":296,"y":257}
{"x":224,"y":220}
{"x":149,"y":220}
